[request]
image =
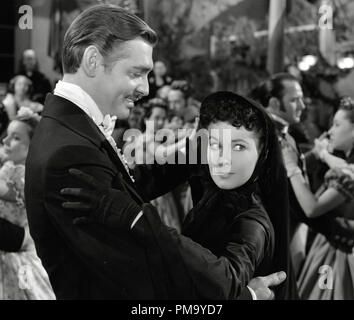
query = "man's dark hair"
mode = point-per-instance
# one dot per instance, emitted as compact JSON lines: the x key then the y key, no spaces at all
{"x":155,"y":103}
{"x":104,"y":26}
{"x":274,"y":87}
{"x":183,"y":86}
{"x":228,"y":107}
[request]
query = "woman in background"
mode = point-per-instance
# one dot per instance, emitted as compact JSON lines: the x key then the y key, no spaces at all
{"x":328,"y":272}
{"x":22,"y":276}
{"x":19,"y":93}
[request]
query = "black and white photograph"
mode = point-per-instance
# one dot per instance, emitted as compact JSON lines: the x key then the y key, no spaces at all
{"x":177,"y":154}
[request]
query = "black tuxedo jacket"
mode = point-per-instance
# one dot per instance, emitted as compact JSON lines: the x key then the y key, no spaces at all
{"x":94,"y":261}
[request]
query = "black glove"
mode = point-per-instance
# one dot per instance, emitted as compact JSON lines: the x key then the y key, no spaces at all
{"x":107,"y":206}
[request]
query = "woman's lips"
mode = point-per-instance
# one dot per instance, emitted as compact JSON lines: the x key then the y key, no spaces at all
{"x":221,"y":172}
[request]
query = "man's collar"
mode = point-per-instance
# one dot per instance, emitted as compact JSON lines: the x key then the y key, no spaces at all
{"x":81,"y":98}
{"x":281,"y":124}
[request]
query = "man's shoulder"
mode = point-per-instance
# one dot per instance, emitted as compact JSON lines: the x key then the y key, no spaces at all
{"x":52,"y":102}
{"x":55,"y":143}
{"x":50,"y":132}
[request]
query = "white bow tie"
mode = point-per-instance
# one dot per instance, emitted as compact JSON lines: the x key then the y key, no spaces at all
{"x":108,"y":124}
{"x":107,"y":127}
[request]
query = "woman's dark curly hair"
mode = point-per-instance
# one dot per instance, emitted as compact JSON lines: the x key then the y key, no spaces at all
{"x":229,"y":107}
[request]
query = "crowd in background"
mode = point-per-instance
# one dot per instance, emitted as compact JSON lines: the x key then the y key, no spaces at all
{"x":321,"y":176}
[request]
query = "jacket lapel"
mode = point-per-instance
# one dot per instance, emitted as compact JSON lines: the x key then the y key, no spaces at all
{"x":128,"y":183}
{"x":75,"y":119}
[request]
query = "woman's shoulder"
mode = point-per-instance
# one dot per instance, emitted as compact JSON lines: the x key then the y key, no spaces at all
{"x":254,"y":228}
{"x":11,"y":171}
{"x":256,"y":209}
{"x":342,"y":179}
{"x":9,"y":100}
{"x":35,"y":106}
{"x":256,"y":217}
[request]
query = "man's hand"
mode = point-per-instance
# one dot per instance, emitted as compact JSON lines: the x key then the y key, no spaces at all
{"x":260,"y":285}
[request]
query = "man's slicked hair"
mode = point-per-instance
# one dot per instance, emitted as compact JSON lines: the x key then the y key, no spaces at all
{"x":274,"y":87}
{"x":104,"y":26}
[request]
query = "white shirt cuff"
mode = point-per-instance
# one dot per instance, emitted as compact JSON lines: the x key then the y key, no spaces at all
{"x":253,"y":294}
{"x":139,"y":215}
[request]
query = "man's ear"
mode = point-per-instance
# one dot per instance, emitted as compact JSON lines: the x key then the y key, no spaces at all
{"x":91,"y":61}
{"x":274,"y":105}
{"x":353,"y":134}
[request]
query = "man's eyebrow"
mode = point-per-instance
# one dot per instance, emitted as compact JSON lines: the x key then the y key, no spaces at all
{"x":142,"y":68}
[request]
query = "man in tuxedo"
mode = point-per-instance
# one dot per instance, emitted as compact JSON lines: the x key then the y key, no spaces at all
{"x":107,"y":55}
{"x":283,"y":96}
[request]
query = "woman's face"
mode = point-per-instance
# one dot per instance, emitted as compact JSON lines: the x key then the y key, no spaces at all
{"x":176,"y":122}
{"x":16,"y":142}
{"x":163,"y":92}
{"x":21,"y":86}
{"x":232,"y":154}
{"x":158,"y":117}
{"x":159,"y":68}
{"x":342,"y":132}
{"x":176,"y":101}
{"x":134,"y":120}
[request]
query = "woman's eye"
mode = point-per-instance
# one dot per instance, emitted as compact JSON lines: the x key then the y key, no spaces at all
{"x":238,"y":147}
{"x":214,"y":146}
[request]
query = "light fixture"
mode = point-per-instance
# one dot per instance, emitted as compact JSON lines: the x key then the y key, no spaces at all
{"x":345,"y":62}
{"x":303,"y":66}
{"x":307,"y":62}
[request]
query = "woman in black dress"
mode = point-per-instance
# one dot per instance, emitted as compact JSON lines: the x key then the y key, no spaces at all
{"x":239,"y":226}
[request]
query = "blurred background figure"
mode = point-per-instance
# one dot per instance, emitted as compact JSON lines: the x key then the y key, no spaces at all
{"x":19,"y":95}
{"x":40,"y":83}
{"x":282,"y":95}
{"x":335,"y":198}
{"x":134,"y":121}
{"x":146,"y":154}
{"x":163,"y":92}
{"x":181,"y":103}
{"x":22,"y":276}
{"x":158,"y":78}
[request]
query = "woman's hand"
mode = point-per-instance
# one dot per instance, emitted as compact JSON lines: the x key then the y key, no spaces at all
{"x":321,"y":145}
